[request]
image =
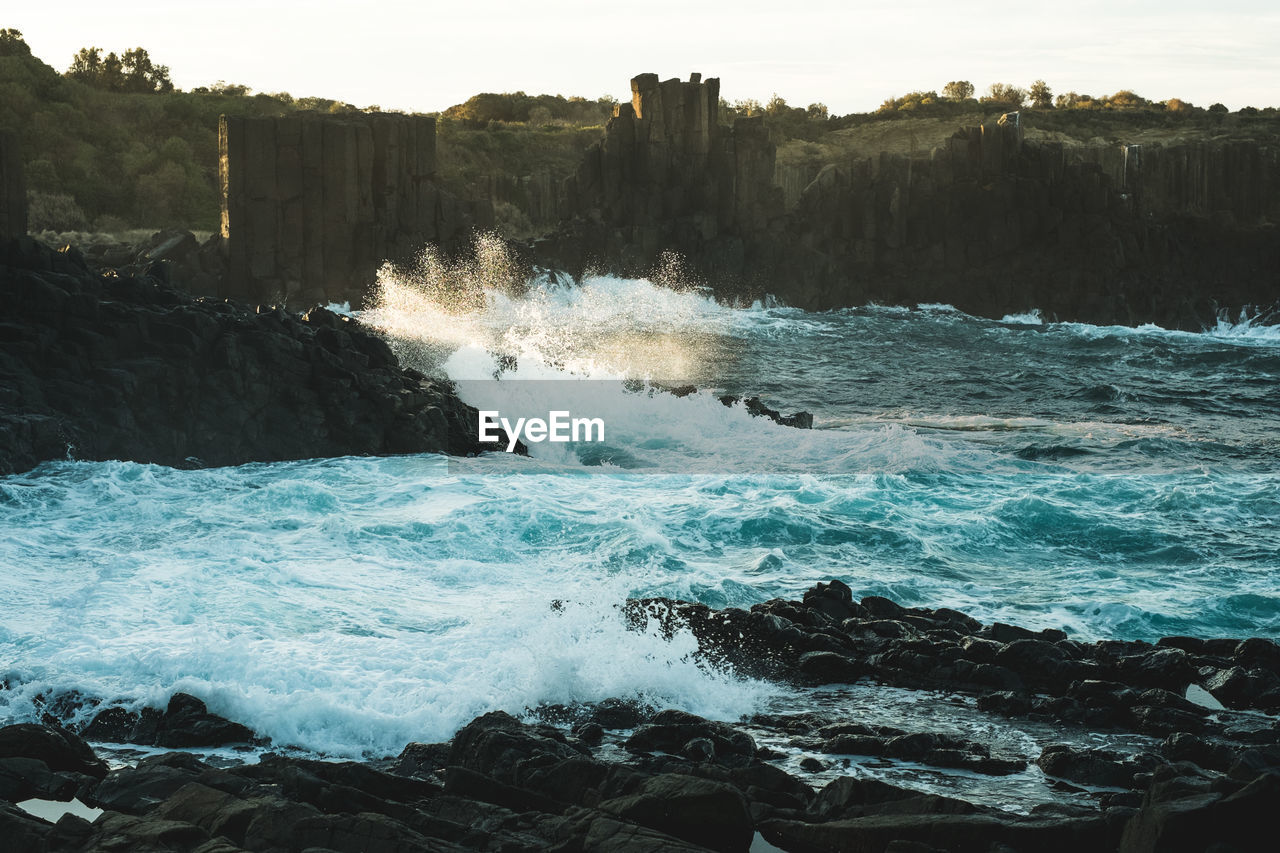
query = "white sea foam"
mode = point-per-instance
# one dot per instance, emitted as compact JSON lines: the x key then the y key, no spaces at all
{"x":1029,"y":318}
{"x":351,"y":605}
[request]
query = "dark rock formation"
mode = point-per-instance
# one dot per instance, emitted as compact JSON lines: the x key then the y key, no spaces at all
{"x":989,"y":222}
{"x":684,"y":783}
{"x":1015,"y":672}
{"x":123,"y":367}
{"x":667,"y":177}
{"x":185,"y":722}
{"x":799,"y":420}
{"x":13,"y":187}
{"x":312,"y":206}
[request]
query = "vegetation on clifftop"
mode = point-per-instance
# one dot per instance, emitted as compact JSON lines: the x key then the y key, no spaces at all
{"x":110,"y":144}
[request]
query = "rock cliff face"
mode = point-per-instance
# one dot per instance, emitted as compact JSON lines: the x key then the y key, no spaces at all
{"x":994,"y":225}
{"x":122,"y":367}
{"x":13,"y":187}
{"x":312,"y":206}
{"x":990,"y":223}
{"x":666,"y":177}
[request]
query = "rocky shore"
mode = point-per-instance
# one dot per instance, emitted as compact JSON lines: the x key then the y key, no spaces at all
{"x":119,"y":365}
{"x":623,"y":776}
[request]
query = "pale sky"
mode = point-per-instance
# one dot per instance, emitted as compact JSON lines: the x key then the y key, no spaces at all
{"x":425,"y":56}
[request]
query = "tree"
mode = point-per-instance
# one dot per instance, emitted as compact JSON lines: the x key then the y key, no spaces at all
{"x":12,"y":43}
{"x":132,"y":72}
{"x":1040,"y":94}
{"x":818,"y":112}
{"x":1126,"y":99}
{"x":142,"y":75}
{"x":958,"y":90}
{"x":1005,"y":95}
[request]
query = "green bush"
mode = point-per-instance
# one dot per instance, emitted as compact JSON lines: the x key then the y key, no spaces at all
{"x":54,"y":212}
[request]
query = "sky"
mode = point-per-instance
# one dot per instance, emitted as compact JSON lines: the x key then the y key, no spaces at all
{"x":851,"y":56}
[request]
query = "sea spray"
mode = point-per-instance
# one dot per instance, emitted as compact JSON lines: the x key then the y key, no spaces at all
{"x":1109,"y":481}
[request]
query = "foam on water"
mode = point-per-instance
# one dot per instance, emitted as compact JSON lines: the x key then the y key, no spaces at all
{"x":346,"y":606}
{"x":1112,"y":482}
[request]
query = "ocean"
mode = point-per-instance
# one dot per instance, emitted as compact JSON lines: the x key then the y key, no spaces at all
{"x":1112,"y":482}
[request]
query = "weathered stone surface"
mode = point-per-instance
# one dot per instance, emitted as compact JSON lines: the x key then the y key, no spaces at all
{"x":313,"y":206}
{"x":123,"y":367}
{"x":991,"y":222}
{"x":699,"y":811}
{"x":687,"y":783}
{"x":58,"y":749}
{"x":670,"y":731}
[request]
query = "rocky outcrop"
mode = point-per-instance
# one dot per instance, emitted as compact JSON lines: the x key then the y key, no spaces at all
{"x":666,"y":177}
{"x":623,"y":776}
{"x":995,"y":225}
{"x":120,"y":366}
{"x":828,"y":637}
{"x":312,"y":206}
{"x":989,"y":222}
{"x":13,"y":187}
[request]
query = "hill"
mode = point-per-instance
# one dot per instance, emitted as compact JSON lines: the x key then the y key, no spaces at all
{"x":109,"y":155}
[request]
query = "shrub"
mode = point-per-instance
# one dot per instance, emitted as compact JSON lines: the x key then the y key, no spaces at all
{"x":54,"y":212}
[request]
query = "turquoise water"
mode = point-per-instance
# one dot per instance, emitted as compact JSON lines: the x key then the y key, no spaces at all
{"x":1112,"y":482}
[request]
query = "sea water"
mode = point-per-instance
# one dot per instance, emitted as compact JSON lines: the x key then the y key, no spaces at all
{"x":1113,"y":482}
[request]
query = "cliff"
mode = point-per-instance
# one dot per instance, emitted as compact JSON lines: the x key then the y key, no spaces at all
{"x":989,"y":221}
{"x":122,"y":367}
{"x":312,"y":206}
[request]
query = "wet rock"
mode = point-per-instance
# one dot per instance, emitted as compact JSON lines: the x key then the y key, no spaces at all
{"x":136,"y":790}
{"x":847,"y":797}
{"x":421,"y":759}
{"x":56,"y":748}
{"x":499,"y":746}
{"x":188,"y":723}
{"x":971,"y":833}
{"x":618,"y":714}
{"x":799,"y":420}
{"x":1168,"y":668}
{"x":1242,"y":688}
{"x":1182,"y":746}
{"x":462,"y":782}
{"x":1172,"y":820}
{"x":185,"y":722}
{"x":21,"y":831}
{"x":834,"y":599}
{"x":1002,"y":633}
{"x":27,"y":778}
{"x":670,"y":730}
{"x":596,"y":832}
{"x":123,"y":367}
{"x":829,"y":668}
{"x":590,"y":733}
{"x":146,"y":834}
{"x":699,"y":811}
{"x":1257,"y":653}
{"x":1099,"y":767}
{"x":1252,"y":762}
{"x":809,"y":764}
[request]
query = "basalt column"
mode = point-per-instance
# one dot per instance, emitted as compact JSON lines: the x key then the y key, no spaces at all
{"x":312,"y":206}
{"x":13,"y":188}
{"x":667,"y":177}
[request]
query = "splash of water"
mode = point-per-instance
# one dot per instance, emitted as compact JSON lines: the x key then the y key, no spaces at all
{"x":479,"y":310}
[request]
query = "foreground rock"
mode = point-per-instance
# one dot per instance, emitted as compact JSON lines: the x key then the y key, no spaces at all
{"x":683,"y":783}
{"x":119,"y":366}
{"x":829,"y":638}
